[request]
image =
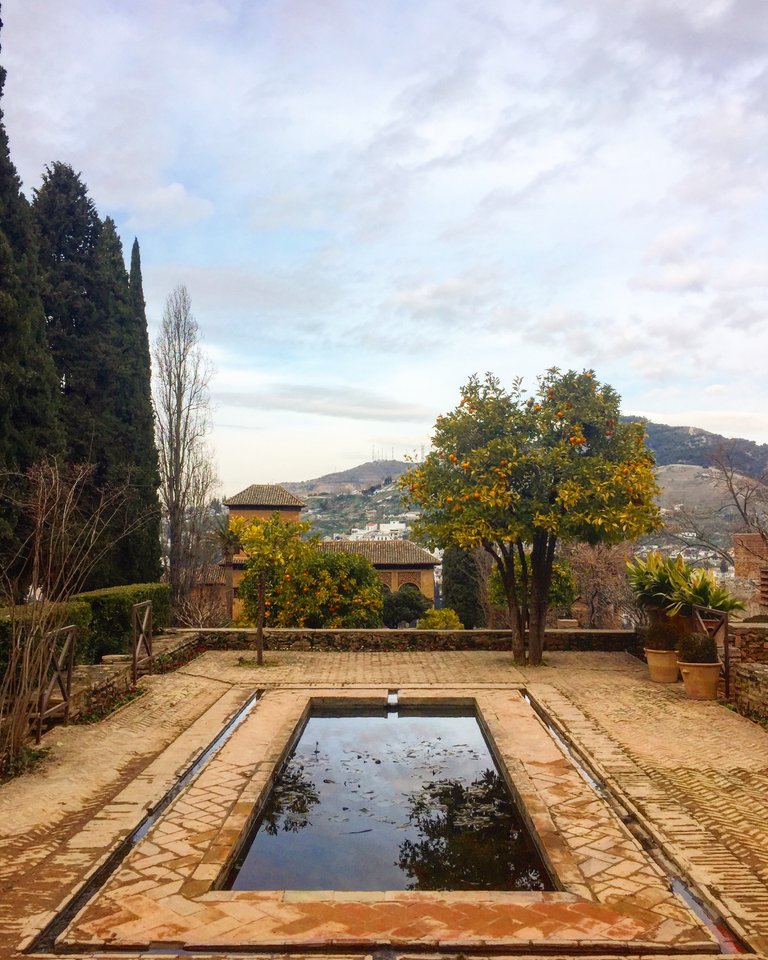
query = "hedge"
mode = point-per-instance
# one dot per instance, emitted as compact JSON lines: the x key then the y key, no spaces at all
{"x":61,"y":614}
{"x":111,"y":614}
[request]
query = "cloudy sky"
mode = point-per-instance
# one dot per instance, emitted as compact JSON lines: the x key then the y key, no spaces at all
{"x":370,"y":201}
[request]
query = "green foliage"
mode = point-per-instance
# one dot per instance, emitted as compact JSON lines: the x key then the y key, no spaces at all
{"x":98,"y":337}
{"x":59,"y":615}
{"x":29,"y":388}
{"x":111,"y":614}
{"x":662,"y":634}
{"x":562,"y":590}
{"x":298,"y":585}
{"x":670,"y":584}
{"x":461,"y":586}
{"x":655,"y":579}
{"x":702,"y":589}
{"x":697,"y":648}
{"x":404,"y":606}
{"x":326,"y":590}
{"x":508,"y":472}
{"x":444,"y":619}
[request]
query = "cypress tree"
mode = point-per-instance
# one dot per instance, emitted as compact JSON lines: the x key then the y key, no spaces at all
{"x":461,"y":586}
{"x":29,"y":388}
{"x":68,"y":228}
{"x":99,"y":343}
{"x":142,"y":558}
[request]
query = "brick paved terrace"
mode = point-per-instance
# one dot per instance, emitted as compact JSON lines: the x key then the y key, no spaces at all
{"x":679,"y":788}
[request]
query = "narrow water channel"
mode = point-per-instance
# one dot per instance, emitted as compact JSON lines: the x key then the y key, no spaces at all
{"x":390,"y":800}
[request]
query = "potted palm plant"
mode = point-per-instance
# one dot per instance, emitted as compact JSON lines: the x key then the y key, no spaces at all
{"x":700,"y":588}
{"x":654,"y":581}
{"x":699,"y":665}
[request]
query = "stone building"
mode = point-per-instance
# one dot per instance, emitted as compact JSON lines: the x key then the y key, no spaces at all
{"x":259,"y":502}
{"x":398,"y":563}
{"x":750,"y":561}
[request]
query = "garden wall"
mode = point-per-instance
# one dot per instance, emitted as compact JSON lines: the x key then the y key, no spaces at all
{"x":306,"y":639}
{"x":750,"y":689}
{"x":749,"y":654}
{"x":750,"y":642}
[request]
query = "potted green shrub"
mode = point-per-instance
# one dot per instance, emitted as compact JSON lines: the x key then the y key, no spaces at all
{"x":660,"y":648}
{"x":699,"y":665}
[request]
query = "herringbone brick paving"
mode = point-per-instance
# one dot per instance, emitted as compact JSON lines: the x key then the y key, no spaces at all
{"x":163,"y":890}
{"x":58,"y":821}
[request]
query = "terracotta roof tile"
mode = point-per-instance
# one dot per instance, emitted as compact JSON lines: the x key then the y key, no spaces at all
{"x":211,"y":573}
{"x":264,"y":495}
{"x":401,"y":553}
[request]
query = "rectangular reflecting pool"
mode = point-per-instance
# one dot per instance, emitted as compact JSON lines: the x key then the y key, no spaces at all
{"x":390,"y":800}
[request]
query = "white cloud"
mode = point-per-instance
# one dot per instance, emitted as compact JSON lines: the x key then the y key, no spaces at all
{"x":169,"y":208}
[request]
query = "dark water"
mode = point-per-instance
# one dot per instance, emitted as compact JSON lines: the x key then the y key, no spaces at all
{"x":390,"y":801}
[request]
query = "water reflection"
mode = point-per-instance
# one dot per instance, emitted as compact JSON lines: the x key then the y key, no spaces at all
{"x":469,"y":837}
{"x":390,"y":801}
{"x":292,"y":797}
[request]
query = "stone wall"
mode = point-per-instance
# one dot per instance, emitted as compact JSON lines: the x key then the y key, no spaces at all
{"x":324,"y":640}
{"x":750,"y":689}
{"x":750,"y":642}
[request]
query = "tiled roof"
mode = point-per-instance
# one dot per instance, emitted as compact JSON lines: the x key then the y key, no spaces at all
{"x":264,"y":495}
{"x":211,"y":573}
{"x":401,"y":553}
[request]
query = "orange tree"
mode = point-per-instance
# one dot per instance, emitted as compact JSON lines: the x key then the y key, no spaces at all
{"x":515,"y":474}
{"x":270,"y":546}
{"x":322,"y":589}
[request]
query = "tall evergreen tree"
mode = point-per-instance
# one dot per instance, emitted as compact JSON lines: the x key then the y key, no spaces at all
{"x":461,"y":586}
{"x":143,"y":554}
{"x":29,"y":389}
{"x":100,"y":346}
{"x":68,"y":229}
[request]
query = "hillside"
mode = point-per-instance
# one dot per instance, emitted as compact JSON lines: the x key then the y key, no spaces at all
{"x":366,"y":476}
{"x":339,"y":501}
{"x":696,"y":447}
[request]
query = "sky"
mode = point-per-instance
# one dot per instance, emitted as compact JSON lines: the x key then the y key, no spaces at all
{"x":369,"y":202}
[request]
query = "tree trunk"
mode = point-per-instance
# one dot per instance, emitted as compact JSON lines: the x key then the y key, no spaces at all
{"x":542,"y":559}
{"x":260,"y":624}
{"x":505,"y":562}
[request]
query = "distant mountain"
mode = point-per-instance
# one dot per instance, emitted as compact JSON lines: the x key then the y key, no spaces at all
{"x":696,"y":447}
{"x":367,"y":493}
{"x":366,"y":477}
{"x":688,"y":445}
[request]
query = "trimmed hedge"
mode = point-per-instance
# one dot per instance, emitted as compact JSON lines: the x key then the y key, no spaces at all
{"x":111,"y":614}
{"x":62,"y":614}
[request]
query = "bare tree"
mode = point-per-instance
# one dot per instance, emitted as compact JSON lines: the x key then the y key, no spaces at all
{"x":747,"y":494}
{"x":600,"y":573}
{"x":71,"y":523}
{"x":182,"y":413}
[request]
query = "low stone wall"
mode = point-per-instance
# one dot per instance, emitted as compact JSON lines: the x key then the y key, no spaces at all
{"x":750,"y":689}
{"x":354,"y":640}
{"x":750,"y":642}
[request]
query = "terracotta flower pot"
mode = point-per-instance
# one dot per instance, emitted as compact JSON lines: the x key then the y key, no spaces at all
{"x":700,"y":680}
{"x":662,"y":665}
